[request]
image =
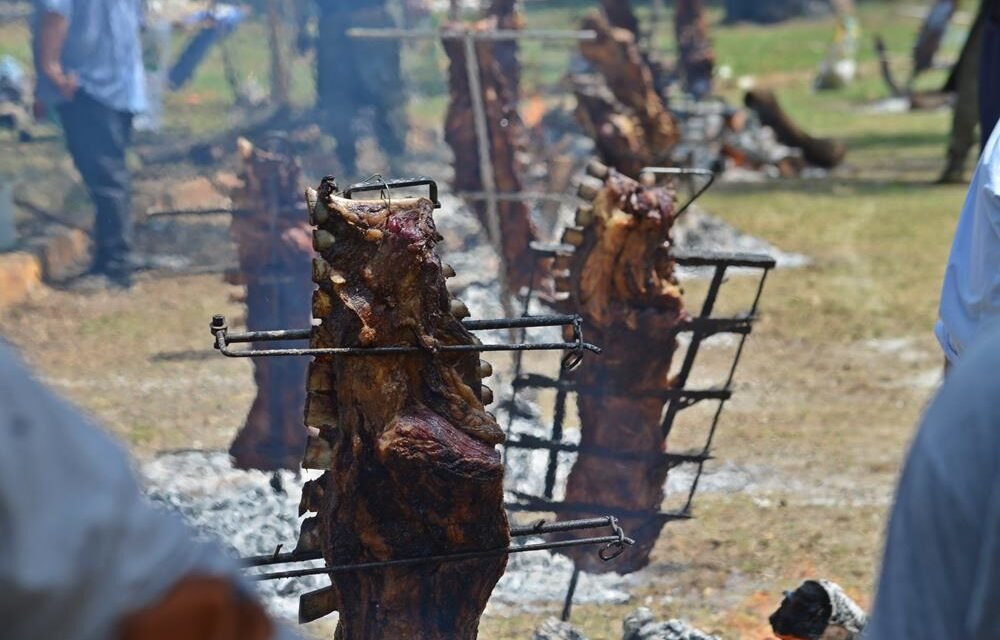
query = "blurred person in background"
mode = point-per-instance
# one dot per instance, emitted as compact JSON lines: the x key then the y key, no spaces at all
{"x":977,"y":94}
{"x":965,"y":82}
{"x":85,"y":555}
{"x":940,"y":574}
{"x":989,"y":71}
{"x":357,"y":74}
{"x":88,"y":60}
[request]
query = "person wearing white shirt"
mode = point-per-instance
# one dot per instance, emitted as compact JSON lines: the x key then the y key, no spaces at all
{"x":970,"y":294}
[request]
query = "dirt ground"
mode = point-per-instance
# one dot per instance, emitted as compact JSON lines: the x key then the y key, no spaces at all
{"x":831,"y":384}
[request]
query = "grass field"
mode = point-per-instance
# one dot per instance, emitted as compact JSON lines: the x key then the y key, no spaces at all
{"x":833,"y":379}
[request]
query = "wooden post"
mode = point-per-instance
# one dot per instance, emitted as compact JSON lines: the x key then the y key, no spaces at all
{"x":279,"y":61}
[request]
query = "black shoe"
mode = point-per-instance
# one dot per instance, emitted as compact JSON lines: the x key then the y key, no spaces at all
{"x":90,"y":283}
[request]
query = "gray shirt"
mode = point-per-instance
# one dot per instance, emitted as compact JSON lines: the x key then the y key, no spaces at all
{"x":941,"y":571}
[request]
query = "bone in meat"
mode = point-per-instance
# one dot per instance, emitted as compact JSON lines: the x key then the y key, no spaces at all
{"x":273,"y":246}
{"x":408,"y":449}
{"x":506,"y":138}
{"x":621,"y":280}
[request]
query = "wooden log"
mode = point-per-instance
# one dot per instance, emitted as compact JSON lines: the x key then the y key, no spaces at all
{"x":413,"y":467}
{"x":507,"y":141}
{"x":622,"y":282}
{"x":821,"y":152}
{"x":696,"y":57}
{"x":275,"y":265}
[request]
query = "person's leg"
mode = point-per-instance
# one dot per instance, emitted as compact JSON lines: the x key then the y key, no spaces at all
{"x":336,"y":85}
{"x":965,"y":117}
{"x":989,"y":89}
{"x":98,"y":138}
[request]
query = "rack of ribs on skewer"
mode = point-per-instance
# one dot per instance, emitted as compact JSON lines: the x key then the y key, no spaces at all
{"x":620,"y":279}
{"x":499,"y":73}
{"x":408,"y":449}
{"x":274,"y":249}
{"x":632,"y":112}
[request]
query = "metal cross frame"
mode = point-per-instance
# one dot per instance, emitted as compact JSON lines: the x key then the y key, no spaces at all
{"x":470,"y":37}
{"x":676,"y":399}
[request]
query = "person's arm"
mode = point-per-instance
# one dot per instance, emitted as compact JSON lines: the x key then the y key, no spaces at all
{"x":52,"y":32}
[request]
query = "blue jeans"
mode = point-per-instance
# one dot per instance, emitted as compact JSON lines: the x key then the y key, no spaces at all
{"x":98,"y":137}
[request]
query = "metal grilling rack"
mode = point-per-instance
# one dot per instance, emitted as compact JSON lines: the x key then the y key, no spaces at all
{"x":612,"y":543}
{"x":676,"y":399}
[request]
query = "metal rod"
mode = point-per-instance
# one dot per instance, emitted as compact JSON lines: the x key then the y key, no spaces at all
{"x":524,"y":196}
{"x":527,"y":322}
{"x":685,"y":171}
{"x":219,"y":331}
{"x":611,"y":541}
{"x":534,"y":443}
{"x":713,"y":258}
{"x":401,"y":350}
{"x":460,"y":33}
{"x":486,"y":172}
{"x":690,"y":396}
{"x":153,"y":213}
{"x":471,"y":325}
{"x":537,"y":528}
{"x":535,"y":504}
{"x":570,"y":593}
{"x":557,"y":435}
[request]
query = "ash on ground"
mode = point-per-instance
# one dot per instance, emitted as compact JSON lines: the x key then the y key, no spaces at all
{"x":638,"y":625}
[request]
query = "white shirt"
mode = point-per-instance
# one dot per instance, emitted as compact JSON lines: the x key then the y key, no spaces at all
{"x":970,"y":295}
{"x":81,"y":546}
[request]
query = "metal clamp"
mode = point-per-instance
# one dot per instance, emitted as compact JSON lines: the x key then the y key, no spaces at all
{"x":378,"y":183}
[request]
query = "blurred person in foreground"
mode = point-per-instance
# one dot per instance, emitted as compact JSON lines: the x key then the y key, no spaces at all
{"x":941,"y":570}
{"x":970,"y":294}
{"x":88,"y":60}
{"x":85,"y":556}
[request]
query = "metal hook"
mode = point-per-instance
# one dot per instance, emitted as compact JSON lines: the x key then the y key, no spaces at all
{"x":684,"y":171}
{"x":615,"y":548}
{"x":573,"y":358}
{"x":611,"y":551}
